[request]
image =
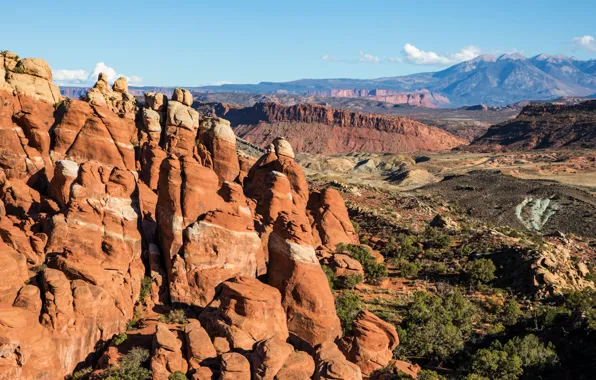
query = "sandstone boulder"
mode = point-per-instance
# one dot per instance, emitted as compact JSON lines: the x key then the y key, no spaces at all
{"x":331,"y":364}
{"x":28,"y":351}
{"x":371,"y":343}
{"x":249,"y":311}
{"x":234,"y":366}
{"x":329,"y":219}
{"x":218,"y":137}
{"x":269,"y":357}
{"x":166,"y":355}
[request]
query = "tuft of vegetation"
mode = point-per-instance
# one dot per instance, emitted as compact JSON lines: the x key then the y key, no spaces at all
{"x":347,"y":282}
{"x":527,"y":356}
{"x":119,"y":339}
{"x":374,"y":272}
{"x":178,"y":375}
{"x":407,"y":269}
{"x":81,"y":374}
{"x":435,"y":327}
{"x":146,"y":284}
{"x":18,"y":70}
{"x":481,"y":271}
{"x":130,"y":368}
{"x":347,"y":305}
{"x":510,"y":313}
{"x":174,"y":316}
{"x":329,"y":274}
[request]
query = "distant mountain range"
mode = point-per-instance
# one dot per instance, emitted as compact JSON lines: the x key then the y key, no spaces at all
{"x":486,"y":79}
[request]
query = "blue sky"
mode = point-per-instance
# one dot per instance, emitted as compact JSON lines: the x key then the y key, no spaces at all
{"x":206,"y":42}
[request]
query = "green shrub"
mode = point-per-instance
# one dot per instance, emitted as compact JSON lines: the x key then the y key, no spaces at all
{"x":329,"y":274}
{"x":374,"y":272}
{"x":130,"y":368}
{"x":347,"y":282}
{"x":174,"y":316}
{"x":407,"y":269}
{"x":435,"y":327}
{"x":178,"y":375}
{"x":532,"y":352}
{"x":119,"y":339}
{"x":81,"y":374}
{"x":481,"y":271}
{"x":496,"y":364}
{"x":518,"y":356}
{"x":347,"y":305}
{"x":427,"y":374}
{"x":18,"y":70}
{"x":510,"y":313}
{"x":146,"y":285}
{"x":434,"y":238}
{"x":405,"y":247}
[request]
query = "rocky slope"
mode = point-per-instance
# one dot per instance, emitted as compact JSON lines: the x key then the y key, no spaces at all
{"x":541,"y":126}
{"x":421,"y":98}
{"x":108,"y":210}
{"x":319,"y":129}
{"x":496,"y":81}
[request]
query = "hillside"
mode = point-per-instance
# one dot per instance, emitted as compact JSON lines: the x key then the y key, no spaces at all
{"x":319,"y":129}
{"x":541,"y":126}
{"x":496,"y":81}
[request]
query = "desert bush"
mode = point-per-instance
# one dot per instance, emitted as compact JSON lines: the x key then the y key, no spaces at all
{"x":130,"y":368}
{"x":496,"y":364}
{"x":510,"y":312}
{"x":427,"y":374}
{"x":347,"y":305}
{"x":404,"y":247}
{"x":434,"y":238}
{"x":407,"y":269}
{"x":146,"y":284}
{"x":347,"y":282}
{"x":519,"y":356}
{"x":119,"y":339}
{"x":435,"y":327}
{"x":329,"y":274}
{"x":374,"y":272}
{"x":178,"y":375}
{"x":81,"y":374}
{"x":481,"y":271}
{"x":174,"y":316}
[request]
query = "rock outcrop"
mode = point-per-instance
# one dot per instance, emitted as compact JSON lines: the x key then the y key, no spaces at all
{"x":114,"y":219}
{"x":371,"y":342}
{"x":329,"y":220}
{"x":279,"y":186}
{"x":543,"y":126}
{"x":319,"y":129}
{"x":116,"y":98}
{"x":249,"y":311}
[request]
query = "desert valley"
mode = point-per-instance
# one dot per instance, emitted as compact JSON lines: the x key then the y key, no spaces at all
{"x":429,"y":226}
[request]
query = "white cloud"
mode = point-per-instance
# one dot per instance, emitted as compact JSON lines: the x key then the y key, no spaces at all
{"x":421,"y":57}
{"x":395,"y":60}
{"x":86,"y":78}
{"x":70,"y":75}
{"x":328,"y":58}
{"x":585,"y":42}
{"x":220,"y":83}
{"x":366,"y":57}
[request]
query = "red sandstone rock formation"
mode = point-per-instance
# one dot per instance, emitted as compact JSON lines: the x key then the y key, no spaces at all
{"x":423,"y":98}
{"x":319,"y":129}
{"x":371,"y":343}
{"x":81,"y":201}
{"x":329,"y":220}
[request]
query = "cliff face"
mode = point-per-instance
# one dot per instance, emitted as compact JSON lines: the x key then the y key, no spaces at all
{"x":422,"y":98}
{"x":319,"y":129}
{"x":541,"y":126}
